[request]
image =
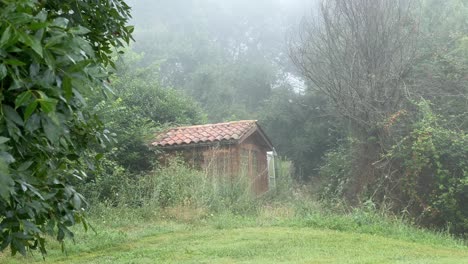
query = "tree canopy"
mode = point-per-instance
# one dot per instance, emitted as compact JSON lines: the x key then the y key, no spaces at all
{"x":51,"y":54}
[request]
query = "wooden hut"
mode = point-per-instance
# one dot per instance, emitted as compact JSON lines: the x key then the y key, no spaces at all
{"x":224,"y":149}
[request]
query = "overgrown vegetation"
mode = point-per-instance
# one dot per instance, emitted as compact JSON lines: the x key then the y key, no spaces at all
{"x":51,"y":54}
{"x":380,"y":65}
{"x":166,"y":211}
{"x":369,"y":111}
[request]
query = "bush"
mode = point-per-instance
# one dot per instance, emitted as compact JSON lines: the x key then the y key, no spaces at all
{"x":435,"y":171}
{"x":335,"y":171}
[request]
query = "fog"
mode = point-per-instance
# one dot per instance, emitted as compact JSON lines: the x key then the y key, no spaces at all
{"x":196,"y":32}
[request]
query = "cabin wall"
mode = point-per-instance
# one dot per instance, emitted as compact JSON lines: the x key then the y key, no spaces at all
{"x":254,"y":156}
{"x":248,"y":159}
{"x":217,"y":160}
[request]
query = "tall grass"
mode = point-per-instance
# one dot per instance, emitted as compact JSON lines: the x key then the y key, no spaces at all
{"x":179,"y":185}
{"x":181,"y":194}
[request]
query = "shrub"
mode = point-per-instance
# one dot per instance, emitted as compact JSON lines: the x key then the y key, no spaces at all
{"x":435,"y":171}
{"x":335,"y":171}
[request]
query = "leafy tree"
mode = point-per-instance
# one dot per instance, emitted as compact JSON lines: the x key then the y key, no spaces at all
{"x":51,"y":54}
{"x":140,"y":109}
{"x":227,"y":57}
{"x":301,"y":128}
{"x":440,"y":74}
{"x":434,"y":169}
{"x":142,"y":106}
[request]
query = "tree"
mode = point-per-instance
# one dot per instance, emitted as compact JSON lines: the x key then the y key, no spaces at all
{"x":226,"y":56}
{"x":301,"y":128}
{"x":360,"y":53}
{"x":51,"y":53}
{"x":142,"y":106}
{"x":440,"y":74}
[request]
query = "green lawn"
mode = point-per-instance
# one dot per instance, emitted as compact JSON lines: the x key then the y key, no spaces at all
{"x":249,"y":240}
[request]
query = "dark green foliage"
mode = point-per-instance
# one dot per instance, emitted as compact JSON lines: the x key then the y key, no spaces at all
{"x":140,"y":108}
{"x":434,"y":171}
{"x":335,"y":171}
{"x":440,"y":75}
{"x":411,"y":157}
{"x":301,"y":128}
{"x":51,"y":52}
{"x":141,"y":90}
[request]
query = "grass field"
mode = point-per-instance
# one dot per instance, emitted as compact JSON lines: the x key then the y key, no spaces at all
{"x":195,"y":237}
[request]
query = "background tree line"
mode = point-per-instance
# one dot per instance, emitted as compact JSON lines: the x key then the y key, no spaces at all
{"x":367,"y":98}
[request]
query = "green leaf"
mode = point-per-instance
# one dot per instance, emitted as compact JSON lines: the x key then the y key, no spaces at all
{"x":33,"y":123}
{"x":5,"y":36}
{"x":6,"y":182}
{"x":30,"y":110}
{"x":25,"y":165}
{"x":80,"y":30}
{"x":23,"y":98}
{"x":42,"y":16}
{"x":6,"y":157}
{"x":3,"y":71}
{"x":99,"y":156}
{"x":33,"y":70}
{"x":34,"y":43}
{"x":32,"y":189}
{"x":14,"y":62}
{"x":76,"y":201}
{"x":3,"y":139}
{"x":60,"y":22}
{"x":52,"y":132}
{"x":12,"y":115}
{"x":48,"y":105}
{"x":67,"y":88}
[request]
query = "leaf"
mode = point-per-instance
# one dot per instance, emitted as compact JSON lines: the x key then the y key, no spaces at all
{"x":34,"y":70}
{"x":33,"y":123}
{"x":34,"y":43}
{"x":3,"y":71}
{"x":41,"y":16}
{"x":25,"y":165}
{"x":7,"y":157}
{"x":79,"y":97}
{"x":67,"y":88}
{"x":12,"y":115}
{"x":80,"y":30}
{"x":52,"y":132}
{"x":32,"y":189}
{"x":13,"y":130}
{"x":48,"y":105}
{"x":76,"y":201}
{"x":14,"y":62}
{"x":23,"y":98}
{"x":3,"y":140}
{"x":29,"y":110}
{"x":5,"y":36}
{"x":99,"y":156}
{"x":60,"y":22}
{"x":6,"y":182}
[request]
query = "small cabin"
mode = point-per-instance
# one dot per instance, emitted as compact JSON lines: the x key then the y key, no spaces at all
{"x":224,"y":149}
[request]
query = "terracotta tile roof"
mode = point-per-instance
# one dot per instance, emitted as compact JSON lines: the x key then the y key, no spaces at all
{"x":211,"y":133}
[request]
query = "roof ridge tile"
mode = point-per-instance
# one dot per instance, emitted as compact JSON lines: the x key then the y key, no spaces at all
{"x":227,"y":131}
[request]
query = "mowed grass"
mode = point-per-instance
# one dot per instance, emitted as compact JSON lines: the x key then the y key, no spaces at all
{"x":237,"y":239}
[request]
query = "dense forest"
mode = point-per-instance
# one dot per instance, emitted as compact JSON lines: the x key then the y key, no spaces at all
{"x":367,"y":99}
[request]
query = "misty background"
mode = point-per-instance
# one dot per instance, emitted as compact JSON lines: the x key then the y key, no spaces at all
{"x":232,"y":59}
{"x":366,"y":99}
